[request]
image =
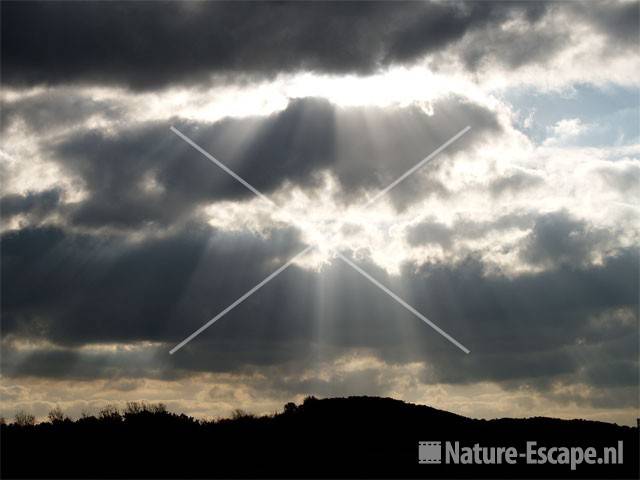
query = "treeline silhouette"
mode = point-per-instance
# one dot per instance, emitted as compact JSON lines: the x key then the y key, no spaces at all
{"x":339,"y":437}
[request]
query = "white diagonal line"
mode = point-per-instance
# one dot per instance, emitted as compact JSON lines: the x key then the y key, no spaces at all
{"x":403,"y":303}
{"x":222,"y":165}
{"x":431,"y":156}
{"x":413,"y":169}
{"x":238,"y":302}
{"x":353,"y":265}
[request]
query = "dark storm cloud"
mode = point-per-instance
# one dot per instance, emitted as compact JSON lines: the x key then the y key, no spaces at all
{"x":35,"y":205}
{"x":376,"y":145}
{"x":77,"y":365}
{"x":147,"y":174}
{"x":511,"y":48}
{"x":562,"y":323}
{"x":618,"y":20}
{"x":558,"y":239}
{"x":569,"y":322}
{"x":536,"y":326}
{"x":531,"y":307}
{"x":75,"y":288}
{"x":153,"y":44}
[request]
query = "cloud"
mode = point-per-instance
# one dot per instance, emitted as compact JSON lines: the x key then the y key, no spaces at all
{"x":40,"y":299}
{"x":249,"y":40}
{"x":534,"y":240}
{"x":144,"y":173}
{"x":514,"y":183}
{"x":519,"y":328}
{"x":52,"y":110}
{"x":121,"y":239}
{"x":514,"y":43}
{"x":431,"y":231}
{"x":35,"y":205}
{"x":622,"y":176}
{"x":567,"y":131}
{"x":79,"y":309}
{"x":557,"y":239}
{"x":619,"y":20}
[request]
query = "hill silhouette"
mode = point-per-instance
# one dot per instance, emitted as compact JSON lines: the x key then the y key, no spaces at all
{"x":338,"y":437}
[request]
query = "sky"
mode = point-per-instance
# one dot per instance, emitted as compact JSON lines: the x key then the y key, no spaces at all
{"x":520,"y":239}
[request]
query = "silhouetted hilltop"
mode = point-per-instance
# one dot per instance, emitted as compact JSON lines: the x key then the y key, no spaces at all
{"x":338,"y":437}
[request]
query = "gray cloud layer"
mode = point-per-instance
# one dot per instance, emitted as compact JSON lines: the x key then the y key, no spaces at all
{"x":75,"y":289}
{"x":572,"y":322}
{"x":146,"y":45}
{"x":90,"y":291}
{"x":292,"y":146}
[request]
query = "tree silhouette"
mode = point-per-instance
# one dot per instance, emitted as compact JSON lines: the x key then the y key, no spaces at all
{"x":290,"y":408}
{"x":24,"y":419}
{"x":56,"y":415}
{"x":239,"y":414}
{"x":339,"y":437}
{"x":110,"y":413}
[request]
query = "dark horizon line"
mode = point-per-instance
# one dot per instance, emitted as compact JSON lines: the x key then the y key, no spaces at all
{"x":112,"y":411}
